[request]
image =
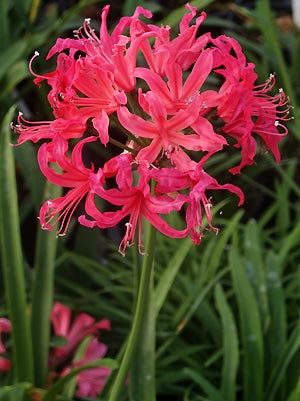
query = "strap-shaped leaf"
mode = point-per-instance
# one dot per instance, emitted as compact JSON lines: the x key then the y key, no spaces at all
{"x":12,"y":258}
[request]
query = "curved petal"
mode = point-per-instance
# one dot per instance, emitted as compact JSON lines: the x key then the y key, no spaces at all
{"x":135,"y":124}
{"x":162,"y":226}
{"x":61,"y":319}
{"x":100,"y":124}
{"x":155,"y":83}
{"x":202,"y":68}
{"x":101,"y":220}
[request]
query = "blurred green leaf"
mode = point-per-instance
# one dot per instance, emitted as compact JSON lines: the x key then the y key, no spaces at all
{"x":11,"y":55}
{"x":255,"y":268}
{"x":288,"y":351}
{"x":213,"y":393}
{"x":4,"y":25}
{"x":17,"y":392}
{"x":12,"y":258}
{"x":289,"y":242}
{"x":23,"y":7}
{"x":169,"y":274}
{"x":277,"y":330}
{"x":230,"y":347}
{"x":295,"y":395}
{"x":15,"y":75}
{"x":251,"y":331}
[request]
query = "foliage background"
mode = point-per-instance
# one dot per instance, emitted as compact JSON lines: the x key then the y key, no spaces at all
{"x":228,"y":324}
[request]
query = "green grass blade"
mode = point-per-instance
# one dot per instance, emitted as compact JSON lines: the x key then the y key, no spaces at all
{"x":287,"y":176}
{"x":221,"y":242}
{"x":18,"y":392}
{"x":255,"y":268}
{"x":169,"y":274}
{"x":230,"y":346}
{"x":289,"y":350}
{"x":212,"y":392}
{"x":23,"y":7}
{"x":277,"y":330}
{"x":295,"y":395}
{"x":12,"y":259}
{"x":251,"y":331}
{"x":4,"y":25}
{"x":11,"y":55}
{"x":289,"y":242}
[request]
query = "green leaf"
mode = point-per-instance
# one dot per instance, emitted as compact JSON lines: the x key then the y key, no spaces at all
{"x":220,"y":244}
{"x":4,"y":25}
{"x":289,"y":242}
{"x":288,"y":351}
{"x":10,"y":56}
{"x":16,"y":74}
{"x":276,"y":333}
{"x":212,"y":392}
{"x":167,"y":277}
{"x":12,"y":258}
{"x":17,"y":392}
{"x":255,"y":269}
{"x":59,"y":341}
{"x":295,"y":395}
{"x":23,"y":7}
{"x":251,"y":332}
{"x":230,"y":346}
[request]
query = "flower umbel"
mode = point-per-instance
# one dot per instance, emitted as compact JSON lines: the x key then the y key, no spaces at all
{"x":147,"y":94}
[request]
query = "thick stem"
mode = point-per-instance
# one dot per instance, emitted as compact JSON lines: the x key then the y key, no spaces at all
{"x":142,"y":306}
{"x":142,"y":373}
{"x":42,"y":295}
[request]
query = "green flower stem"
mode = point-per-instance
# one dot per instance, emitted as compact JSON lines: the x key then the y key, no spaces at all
{"x":139,"y":325}
{"x":142,"y":373}
{"x":42,"y":295}
{"x":12,"y":260}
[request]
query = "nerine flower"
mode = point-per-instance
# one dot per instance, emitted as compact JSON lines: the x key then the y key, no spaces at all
{"x":73,"y":331}
{"x":75,"y":175}
{"x":89,"y":382}
{"x":135,"y":201}
{"x":151,"y":96}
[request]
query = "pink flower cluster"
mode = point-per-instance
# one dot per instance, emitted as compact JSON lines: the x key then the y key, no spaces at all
{"x":175,"y":102}
{"x":89,"y":382}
